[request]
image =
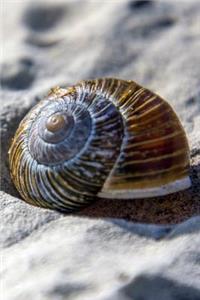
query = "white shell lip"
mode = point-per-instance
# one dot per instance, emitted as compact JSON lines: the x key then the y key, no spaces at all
{"x":172,"y":187}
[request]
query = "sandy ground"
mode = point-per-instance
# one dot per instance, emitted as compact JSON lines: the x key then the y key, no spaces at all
{"x":101,"y":253}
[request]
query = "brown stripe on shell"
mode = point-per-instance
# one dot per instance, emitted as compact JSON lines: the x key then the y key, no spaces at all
{"x":154,"y":164}
{"x":150,"y":179}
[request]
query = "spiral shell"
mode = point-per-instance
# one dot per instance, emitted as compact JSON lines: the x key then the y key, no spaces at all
{"x":105,"y":138}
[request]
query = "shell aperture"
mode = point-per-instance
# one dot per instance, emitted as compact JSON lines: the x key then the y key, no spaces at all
{"x":100,"y":138}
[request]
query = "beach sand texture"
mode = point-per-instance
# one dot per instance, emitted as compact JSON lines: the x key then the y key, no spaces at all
{"x":114,"y":249}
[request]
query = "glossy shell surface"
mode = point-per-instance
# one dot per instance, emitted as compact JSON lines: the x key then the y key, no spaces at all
{"x":106,"y":138}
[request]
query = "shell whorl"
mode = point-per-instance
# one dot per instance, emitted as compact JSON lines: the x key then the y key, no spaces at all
{"x":104,"y":137}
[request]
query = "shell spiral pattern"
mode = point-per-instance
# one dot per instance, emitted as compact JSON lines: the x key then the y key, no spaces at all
{"x":106,"y":138}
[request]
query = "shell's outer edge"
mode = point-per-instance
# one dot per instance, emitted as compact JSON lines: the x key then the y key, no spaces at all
{"x":169,"y":188}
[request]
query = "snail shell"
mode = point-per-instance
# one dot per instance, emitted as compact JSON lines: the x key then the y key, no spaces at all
{"x":105,"y":138}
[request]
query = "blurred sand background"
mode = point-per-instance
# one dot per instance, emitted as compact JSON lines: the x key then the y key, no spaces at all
{"x":102,"y":252}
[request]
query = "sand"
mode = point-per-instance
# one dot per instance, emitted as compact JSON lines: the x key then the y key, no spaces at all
{"x":113,"y":249}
